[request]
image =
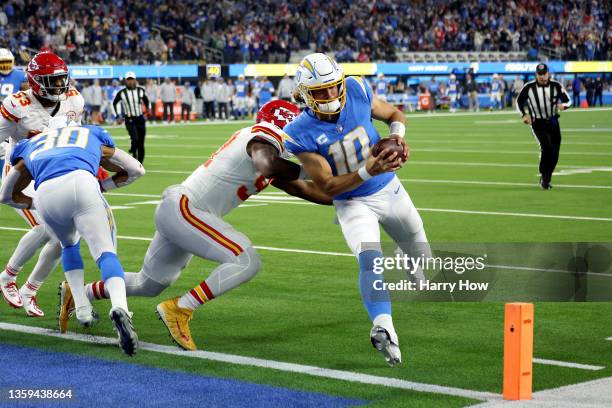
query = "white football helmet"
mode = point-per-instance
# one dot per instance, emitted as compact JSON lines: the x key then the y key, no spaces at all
{"x":319,"y":72}
{"x":7,"y":61}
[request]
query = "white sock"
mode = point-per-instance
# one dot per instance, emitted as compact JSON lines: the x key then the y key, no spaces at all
{"x":31,"y":287}
{"x":76,"y":280}
{"x":116,"y":291}
{"x":9,"y":274}
{"x":188,"y":302}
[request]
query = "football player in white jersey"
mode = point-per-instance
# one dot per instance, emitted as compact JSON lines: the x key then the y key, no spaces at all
{"x":23,"y":115}
{"x":189,"y":221}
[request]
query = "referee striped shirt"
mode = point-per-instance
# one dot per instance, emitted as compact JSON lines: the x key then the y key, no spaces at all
{"x":131,"y":101}
{"x":540,"y":101}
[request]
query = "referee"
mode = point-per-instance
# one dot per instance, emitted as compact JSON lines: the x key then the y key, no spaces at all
{"x":539,"y":103}
{"x":131,"y":98}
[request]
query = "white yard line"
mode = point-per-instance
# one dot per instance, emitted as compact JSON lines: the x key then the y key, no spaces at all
{"x":342,"y":375}
{"x":498,"y":183}
{"x":529,"y":152}
{"x":513,"y":214}
{"x":568,"y":365}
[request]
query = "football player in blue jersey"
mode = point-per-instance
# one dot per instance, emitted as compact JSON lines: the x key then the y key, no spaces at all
{"x":452,"y":91}
{"x":63,"y":163}
{"x":11,"y":79}
{"x":381,"y":87}
{"x":332,"y":138}
{"x":240,"y":98}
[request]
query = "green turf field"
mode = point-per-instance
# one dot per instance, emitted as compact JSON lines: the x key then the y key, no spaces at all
{"x":474,"y":178}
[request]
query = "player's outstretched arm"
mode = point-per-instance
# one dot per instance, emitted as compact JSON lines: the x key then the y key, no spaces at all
{"x":11,"y":192}
{"x":127,"y":169}
{"x":304,"y":189}
{"x":321,"y":173}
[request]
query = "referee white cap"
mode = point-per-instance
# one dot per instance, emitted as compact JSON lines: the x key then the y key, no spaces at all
{"x":130,"y":74}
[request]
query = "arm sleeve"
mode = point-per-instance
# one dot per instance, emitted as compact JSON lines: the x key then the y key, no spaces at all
{"x":132,"y":167}
{"x":522,"y":99}
{"x":563,"y":96}
{"x":145,"y":99}
{"x":7,"y":188}
{"x":117,"y":100}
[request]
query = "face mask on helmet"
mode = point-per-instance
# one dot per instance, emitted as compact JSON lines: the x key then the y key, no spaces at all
{"x":6,"y":66}
{"x":327,"y":99}
{"x":53,"y":87}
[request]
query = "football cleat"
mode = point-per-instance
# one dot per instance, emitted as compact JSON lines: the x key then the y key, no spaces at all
{"x":65,"y":307}
{"x":176,"y":319}
{"x":30,"y":304}
{"x":86,"y":316}
{"x":128,"y":339}
{"x":381,"y":340}
{"x":11,"y":294}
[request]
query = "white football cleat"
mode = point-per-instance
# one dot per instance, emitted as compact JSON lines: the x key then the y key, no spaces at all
{"x":86,"y":316}
{"x":10,"y":293}
{"x":30,"y":304}
{"x":388,"y":347}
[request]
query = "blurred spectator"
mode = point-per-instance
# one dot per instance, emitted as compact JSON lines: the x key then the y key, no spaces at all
{"x":598,"y":91}
{"x":223,"y":96}
{"x":271,"y":30}
{"x":266,"y":90}
{"x":167,"y":93}
{"x":433,"y":86}
{"x":188,"y":99}
{"x":472,"y":90}
{"x":152,"y":91}
{"x":97,"y":98}
{"x":285,"y":88}
{"x":576,"y":88}
{"x":517,"y":85}
{"x":240,"y":97}
{"x":590,"y":91}
{"x":208,"y":97}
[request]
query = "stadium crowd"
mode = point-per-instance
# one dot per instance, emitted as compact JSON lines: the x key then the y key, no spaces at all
{"x":144,"y":31}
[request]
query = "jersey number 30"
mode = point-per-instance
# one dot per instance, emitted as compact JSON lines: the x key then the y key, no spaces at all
{"x":67,"y":137}
{"x":349,"y":153}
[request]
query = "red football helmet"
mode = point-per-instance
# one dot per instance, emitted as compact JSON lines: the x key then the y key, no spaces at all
{"x":278,"y":112}
{"x":48,"y":76}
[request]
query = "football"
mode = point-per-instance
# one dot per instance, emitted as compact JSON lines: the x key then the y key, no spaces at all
{"x":391,"y":143}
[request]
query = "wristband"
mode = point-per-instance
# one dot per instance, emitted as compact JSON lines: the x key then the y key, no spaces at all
{"x":363,"y":173}
{"x":397,"y":128}
{"x":107,"y":184}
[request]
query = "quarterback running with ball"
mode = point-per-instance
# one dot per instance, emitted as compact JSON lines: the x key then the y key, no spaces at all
{"x":332,"y":138}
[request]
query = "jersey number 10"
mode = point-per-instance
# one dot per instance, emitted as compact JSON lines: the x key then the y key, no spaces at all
{"x":351,"y":151}
{"x":67,"y":137}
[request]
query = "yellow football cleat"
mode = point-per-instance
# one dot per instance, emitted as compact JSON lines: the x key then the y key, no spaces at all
{"x":177,"y":320}
{"x":65,"y":307}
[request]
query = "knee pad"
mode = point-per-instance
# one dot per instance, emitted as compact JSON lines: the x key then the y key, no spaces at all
{"x":110,"y":266}
{"x":251,"y":262}
{"x":71,"y":257}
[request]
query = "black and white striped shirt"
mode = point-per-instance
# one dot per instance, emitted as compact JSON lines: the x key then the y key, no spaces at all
{"x":540,"y":101}
{"x":131,"y":101}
